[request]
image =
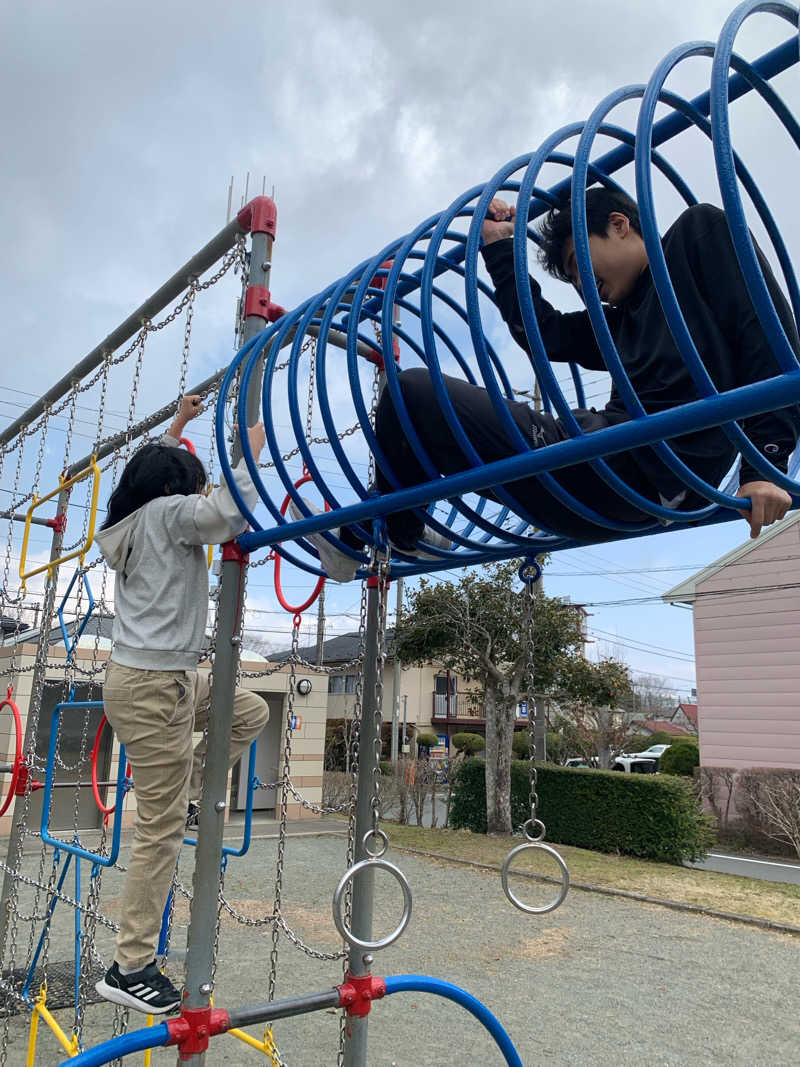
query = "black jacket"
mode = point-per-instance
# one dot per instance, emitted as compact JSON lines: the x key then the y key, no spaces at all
{"x":726,"y":331}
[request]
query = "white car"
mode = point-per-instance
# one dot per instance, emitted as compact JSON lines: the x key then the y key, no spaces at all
{"x":654,"y":752}
{"x":638,"y":763}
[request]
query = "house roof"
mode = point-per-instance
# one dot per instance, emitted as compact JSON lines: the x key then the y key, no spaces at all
{"x":685,"y":591}
{"x":663,"y":726}
{"x":339,"y":649}
{"x":690,"y":711}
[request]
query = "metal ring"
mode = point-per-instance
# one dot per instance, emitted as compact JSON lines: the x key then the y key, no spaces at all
{"x":379,"y":852}
{"x":528,"y":828}
{"x":338,"y":897}
{"x":530,"y":908}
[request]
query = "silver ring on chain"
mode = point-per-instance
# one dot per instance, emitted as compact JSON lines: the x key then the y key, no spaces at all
{"x":377,"y":835}
{"x":533,"y":909}
{"x":338,"y":900}
{"x":530,"y":826}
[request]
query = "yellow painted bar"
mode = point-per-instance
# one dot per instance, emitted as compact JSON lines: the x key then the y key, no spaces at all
{"x":63,"y":483}
{"x":147,"y":1053}
{"x":69,"y":1044}
{"x":253,"y":1042}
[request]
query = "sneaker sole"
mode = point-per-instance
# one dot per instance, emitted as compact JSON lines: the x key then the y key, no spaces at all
{"x":119,"y":996}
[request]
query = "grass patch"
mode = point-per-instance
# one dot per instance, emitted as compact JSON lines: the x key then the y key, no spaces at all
{"x":775,"y":901}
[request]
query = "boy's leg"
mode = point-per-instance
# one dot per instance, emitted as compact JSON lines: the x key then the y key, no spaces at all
{"x":152,"y":714}
{"x":483,"y":427}
{"x":250,"y":716}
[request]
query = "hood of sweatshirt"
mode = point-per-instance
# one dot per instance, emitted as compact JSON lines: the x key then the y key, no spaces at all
{"x":114,"y":542}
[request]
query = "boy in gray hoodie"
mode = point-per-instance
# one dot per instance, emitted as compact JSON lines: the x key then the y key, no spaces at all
{"x":154,"y":537}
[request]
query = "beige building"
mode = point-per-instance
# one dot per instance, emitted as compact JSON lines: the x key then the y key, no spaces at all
{"x":78,"y":731}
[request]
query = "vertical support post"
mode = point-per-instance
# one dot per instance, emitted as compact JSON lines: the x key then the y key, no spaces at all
{"x":397,"y":669}
{"x":355,"y":1050}
{"x":37,"y":683}
{"x":259,"y":217}
{"x":320,"y":628}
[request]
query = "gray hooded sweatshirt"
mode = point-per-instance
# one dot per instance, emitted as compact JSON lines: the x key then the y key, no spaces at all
{"x":159,"y":557}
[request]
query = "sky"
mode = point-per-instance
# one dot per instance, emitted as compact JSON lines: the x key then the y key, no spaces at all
{"x":123,"y":127}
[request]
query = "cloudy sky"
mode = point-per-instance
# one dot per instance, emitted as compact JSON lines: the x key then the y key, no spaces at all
{"x":123,"y":126}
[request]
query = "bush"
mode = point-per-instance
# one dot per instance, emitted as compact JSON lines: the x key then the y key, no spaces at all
{"x":680,"y":758}
{"x":386,"y":766}
{"x":655,"y":817}
{"x":520,"y":744}
{"x":469,"y":744}
{"x":425,"y":740}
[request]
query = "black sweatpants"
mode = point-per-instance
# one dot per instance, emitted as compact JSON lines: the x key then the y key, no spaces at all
{"x":482,"y":426}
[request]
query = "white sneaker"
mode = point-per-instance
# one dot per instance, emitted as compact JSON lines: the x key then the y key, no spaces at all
{"x":429,"y":537}
{"x":337,"y":565}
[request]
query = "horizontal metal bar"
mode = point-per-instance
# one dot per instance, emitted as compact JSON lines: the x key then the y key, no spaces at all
{"x":161,"y":298}
{"x":17,"y":516}
{"x":285,"y":1008}
{"x":743,"y":402}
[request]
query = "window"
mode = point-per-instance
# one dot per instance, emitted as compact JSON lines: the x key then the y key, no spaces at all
{"x":342,"y":683}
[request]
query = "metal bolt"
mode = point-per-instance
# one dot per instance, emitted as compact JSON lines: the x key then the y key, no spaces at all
{"x":206,"y":989}
{"x":236,"y":641}
{"x":219,"y":806}
{"x":367,"y":959}
{"x":266,"y":265}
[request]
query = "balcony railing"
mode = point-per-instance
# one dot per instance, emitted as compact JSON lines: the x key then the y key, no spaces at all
{"x":457,"y":707}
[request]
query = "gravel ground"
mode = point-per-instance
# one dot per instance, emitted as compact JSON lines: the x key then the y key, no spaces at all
{"x":599,"y":982}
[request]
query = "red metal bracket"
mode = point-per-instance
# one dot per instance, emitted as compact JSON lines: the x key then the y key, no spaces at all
{"x":275,"y":312}
{"x":193,"y":1028}
{"x":357,"y":994}
{"x":256,"y":301}
{"x":59,"y":523}
{"x":22,"y":781}
{"x":233,"y":553}
{"x":372,"y":582}
{"x":259,"y":216}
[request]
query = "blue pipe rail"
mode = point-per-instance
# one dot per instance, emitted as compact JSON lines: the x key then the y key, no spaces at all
{"x":375,"y":290}
{"x":74,"y":847}
{"x":419,"y":983}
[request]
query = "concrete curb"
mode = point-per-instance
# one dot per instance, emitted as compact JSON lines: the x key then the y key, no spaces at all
{"x":626,"y":894}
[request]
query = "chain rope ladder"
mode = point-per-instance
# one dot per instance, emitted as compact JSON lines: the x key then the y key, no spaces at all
{"x":34,"y":710}
{"x":534,"y":829}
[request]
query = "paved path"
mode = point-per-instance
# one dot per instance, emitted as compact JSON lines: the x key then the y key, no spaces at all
{"x":600,"y":982}
{"x":767,"y":870}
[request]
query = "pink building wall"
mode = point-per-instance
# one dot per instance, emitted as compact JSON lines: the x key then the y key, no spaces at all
{"x":747,"y":646}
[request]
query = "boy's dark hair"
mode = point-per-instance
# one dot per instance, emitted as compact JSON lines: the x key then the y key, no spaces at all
{"x":154,"y":471}
{"x":557,"y":225}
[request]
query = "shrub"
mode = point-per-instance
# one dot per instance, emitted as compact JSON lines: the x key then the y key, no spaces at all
{"x":520,"y":744}
{"x":680,"y":758}
{"x":469,"y":744}
{"x":386,"y":766}
{"x":655,"y":817}
{"x":427,"y":740}
{"x":770,"y":799}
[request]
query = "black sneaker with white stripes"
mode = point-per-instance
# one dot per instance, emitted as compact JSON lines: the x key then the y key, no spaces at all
{"x":147,"y":990}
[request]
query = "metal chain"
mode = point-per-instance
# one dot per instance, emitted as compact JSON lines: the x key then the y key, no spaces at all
{"x":529,"y":593}
{"x":187,"y":338}
{"x":287,"y":757}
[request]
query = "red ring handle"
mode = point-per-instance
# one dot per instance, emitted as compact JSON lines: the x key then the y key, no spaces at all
{"x":299,"y":609}
{"x":187,"y":444}
{"x":18,"y":761}
{"x":95,"y":788}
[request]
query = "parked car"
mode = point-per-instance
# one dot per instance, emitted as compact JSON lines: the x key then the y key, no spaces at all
{"x":654,"y":752}
{"x":636,"y":764}
{"x":581,"y":761}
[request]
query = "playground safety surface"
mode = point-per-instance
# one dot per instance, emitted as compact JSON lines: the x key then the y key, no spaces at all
{"x":601,"y":981}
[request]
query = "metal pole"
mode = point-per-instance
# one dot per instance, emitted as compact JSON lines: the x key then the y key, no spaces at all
{"x":320,"y":627}
{"x":405,"y":717}
{"x":397,"y":669}
{"x":31,"y":721}
{"x":203,"y":923}
{"x":355,"y":1050}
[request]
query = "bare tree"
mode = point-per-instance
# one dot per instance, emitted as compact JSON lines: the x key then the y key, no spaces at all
{"x":774,"y":797}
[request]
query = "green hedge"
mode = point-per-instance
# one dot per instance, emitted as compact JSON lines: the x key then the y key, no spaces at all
{"x":652,"y":816}
{"x":680,"y":758}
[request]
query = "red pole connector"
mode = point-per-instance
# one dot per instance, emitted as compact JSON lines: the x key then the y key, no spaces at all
{"x":22,"y":781}
{"x":357,"y":994}
{"x":259,"y":216}
{"x":59,"y":523}
{"x":232,"y":553}
{"x":193,"y":1028}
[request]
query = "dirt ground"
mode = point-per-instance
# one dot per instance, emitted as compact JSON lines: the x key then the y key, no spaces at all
{"x":601,"y":981}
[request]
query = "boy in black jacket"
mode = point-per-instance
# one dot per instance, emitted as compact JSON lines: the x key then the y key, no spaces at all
{"x":726,"y":332}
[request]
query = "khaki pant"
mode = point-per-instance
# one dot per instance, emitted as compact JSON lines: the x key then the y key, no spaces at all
{"x":154,"y":714}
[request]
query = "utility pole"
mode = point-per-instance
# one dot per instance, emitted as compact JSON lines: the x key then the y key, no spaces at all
{"x":320,"y":626}
{"x":397,"y":669}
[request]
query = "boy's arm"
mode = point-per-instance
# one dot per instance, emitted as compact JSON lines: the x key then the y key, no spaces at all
{"x":774,"y":433}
